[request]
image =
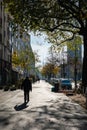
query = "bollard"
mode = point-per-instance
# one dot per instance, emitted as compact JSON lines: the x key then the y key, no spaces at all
{"x":56,"y":87}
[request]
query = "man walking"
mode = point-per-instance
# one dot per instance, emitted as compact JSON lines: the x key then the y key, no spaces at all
{"x":27,"y":87}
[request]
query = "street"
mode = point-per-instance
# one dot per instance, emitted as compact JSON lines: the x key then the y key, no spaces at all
{"x":45,"y":111}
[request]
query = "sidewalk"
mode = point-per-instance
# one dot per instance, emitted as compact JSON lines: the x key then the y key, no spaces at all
{"x":46,"y":111}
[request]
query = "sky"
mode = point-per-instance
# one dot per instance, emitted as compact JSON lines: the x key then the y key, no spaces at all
{"x":41,"y":46}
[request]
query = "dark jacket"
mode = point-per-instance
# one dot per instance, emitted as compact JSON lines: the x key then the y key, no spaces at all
{"x":26,"y":85}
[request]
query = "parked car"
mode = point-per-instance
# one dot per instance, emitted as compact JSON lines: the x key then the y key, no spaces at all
{"x":54,"y":80}
{"x":65,"y":84}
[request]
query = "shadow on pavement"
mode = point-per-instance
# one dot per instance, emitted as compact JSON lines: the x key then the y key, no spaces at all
{"x":20,"y":107}
{"x":59,"y":115}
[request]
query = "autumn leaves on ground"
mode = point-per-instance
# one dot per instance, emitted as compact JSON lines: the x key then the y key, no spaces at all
{"x":80,"y":99}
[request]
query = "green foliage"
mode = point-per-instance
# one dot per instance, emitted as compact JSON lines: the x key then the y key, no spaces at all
{"x":60,"y":19}
{"x":49,"y":70}
{"x":23,"y":58}
{"x":15,"y":59}
{"x":74,"y":43}
{"x":39,"y":14}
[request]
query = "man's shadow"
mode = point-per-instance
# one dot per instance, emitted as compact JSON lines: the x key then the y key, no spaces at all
{"x":20,"y":107}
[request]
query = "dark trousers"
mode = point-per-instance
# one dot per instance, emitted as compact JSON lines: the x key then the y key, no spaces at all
{"x":26,"y":96}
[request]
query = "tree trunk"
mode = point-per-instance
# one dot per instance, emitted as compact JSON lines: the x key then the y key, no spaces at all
{"x":84,"y":71}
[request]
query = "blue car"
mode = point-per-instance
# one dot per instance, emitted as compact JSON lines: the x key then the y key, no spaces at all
{"x":65,"y":84}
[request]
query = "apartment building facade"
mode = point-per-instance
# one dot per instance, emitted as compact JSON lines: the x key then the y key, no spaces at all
{"x":74,"y":63}
{"x":8,"y":44}
{"x":5,"y":47}
{"x":71,"y":63}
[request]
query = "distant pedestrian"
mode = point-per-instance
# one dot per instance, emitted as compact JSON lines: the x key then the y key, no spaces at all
{"x":27,"y":87}
{"x":38,"y":79}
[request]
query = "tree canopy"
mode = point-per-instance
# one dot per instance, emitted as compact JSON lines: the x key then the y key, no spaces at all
{"x":50,"y":70}
{"x":49,"y":15}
